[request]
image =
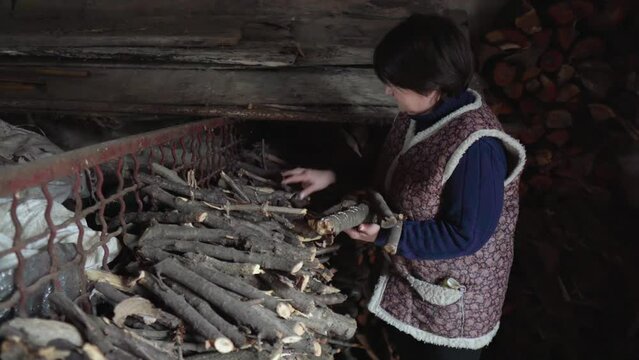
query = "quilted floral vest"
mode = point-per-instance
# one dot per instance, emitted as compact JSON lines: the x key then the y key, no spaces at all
{"x":454,"y":302}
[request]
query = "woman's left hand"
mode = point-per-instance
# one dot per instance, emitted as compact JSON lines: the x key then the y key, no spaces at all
{"x":364,"y":232}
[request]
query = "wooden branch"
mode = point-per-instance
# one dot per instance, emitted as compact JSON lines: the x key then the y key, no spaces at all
{"x":328,"y":250}
{"x":138,"y":346}
{"x":226,"y":328}
{"x":216,"y":236}
{"x":267,"y":261}
{"x":330,"y":299}
{"x":265,"y":209}
{"x":233,"y":185}
{"x":218,"y":297}
{"x":342,"y":220}
{"x":110,"y":293}
{"x":87,"y":326}
{"x":242,"y":288}
{"x":167,"y":174}
{"x":231,"y":268}
{"x":255,"y":177}
{"x":185,"y":311}
{"x":388,"y":217}
{"x":212,"y":196}
{"x":393,"y":239}
{"x":163,"y":217}
{"x":308,"y":345}
{"x":324,"y":321}
{"x":320,"y":288}
{"x":301,"y":301}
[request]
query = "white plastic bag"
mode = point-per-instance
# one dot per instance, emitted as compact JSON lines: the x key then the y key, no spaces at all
{"x":33,"y":222}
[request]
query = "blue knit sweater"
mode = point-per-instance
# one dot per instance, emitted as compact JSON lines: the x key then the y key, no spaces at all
{"x":471,"y":202}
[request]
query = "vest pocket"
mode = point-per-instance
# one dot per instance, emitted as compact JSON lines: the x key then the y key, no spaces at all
{"x":437,"y":294}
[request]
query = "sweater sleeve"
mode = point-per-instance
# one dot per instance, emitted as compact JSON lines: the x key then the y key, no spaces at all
{"x":471,"y":206}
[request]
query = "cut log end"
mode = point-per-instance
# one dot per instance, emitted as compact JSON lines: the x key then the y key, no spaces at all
{"x":297,"y":267}
{"x":223,"y":345}
{"x":298,"y":328}
{"x":284,"y":310}
{"x":291,"y":339}
{"x":317,"y":348}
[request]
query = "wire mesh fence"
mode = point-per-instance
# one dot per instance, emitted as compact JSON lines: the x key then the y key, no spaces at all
{"x":79,"y":199}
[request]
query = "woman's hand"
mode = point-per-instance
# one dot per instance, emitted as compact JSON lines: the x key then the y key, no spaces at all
{"x":364,"y":232}
{"x":311,"y":180}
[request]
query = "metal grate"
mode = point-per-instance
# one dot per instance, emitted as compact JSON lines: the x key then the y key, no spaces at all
{"x":112,"y":168}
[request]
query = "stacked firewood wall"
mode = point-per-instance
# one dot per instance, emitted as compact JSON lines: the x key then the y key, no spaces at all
{"x":563,"y":79}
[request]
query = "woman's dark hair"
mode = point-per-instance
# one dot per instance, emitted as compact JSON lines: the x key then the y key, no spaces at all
{"x":425,"y":53}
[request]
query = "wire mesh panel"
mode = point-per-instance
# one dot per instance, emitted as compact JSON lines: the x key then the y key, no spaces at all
{"x":65,"y":212}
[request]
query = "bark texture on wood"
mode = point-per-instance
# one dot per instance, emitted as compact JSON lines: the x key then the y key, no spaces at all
{"x":240,"y":287}
{"x":301,"y":301}
{"x":217,"y":296}
{"x":213,"y":317}
{"x":191,"y":316}
{"x":342,"y":220}
{"x":168,"y":174}
{"x":267,"y":261}
{"x":393,"y":239}
{"x":215,"y":197}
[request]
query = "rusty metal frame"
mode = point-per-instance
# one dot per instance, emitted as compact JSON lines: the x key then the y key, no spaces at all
{"x":161,"y":146}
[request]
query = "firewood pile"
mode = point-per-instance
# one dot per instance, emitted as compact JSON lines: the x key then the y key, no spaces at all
{"x":562,"y":75}
{"x":232,"y":271}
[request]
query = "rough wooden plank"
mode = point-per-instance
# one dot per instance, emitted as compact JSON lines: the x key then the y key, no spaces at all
{"x":269,"y":55}
{"x":332,"y":86}
{"x":336,"y":55}
{"x":381,"y":115}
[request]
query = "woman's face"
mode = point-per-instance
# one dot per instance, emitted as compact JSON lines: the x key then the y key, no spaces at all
{"x":411,"y":102}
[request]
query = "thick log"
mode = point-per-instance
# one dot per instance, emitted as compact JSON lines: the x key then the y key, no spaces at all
{"x":240,"y":287}
{"x":393,"y":239}
{"x":320,"y":288}
{"x":301,"y":301}
{"x":215,"y":236}
{"x":566,"y":35}
{"x":601,"y":112}
{"x":110,"y":293}
{"x":265,"y":209}
{"x":184,"y":310}
{"x":164,"y":217}
{"x":330,"y":299}
{"x":167,"y":174}
{"x":231,"y":268}
{"x":226,"y":328}
{"x":266,"y":261}
{"x":558,"y":119}
{"x":342,"y":220}
{"x":592,"y":47}
{"x":566,"y":72}
{"x":551,"y":61}
{"x":515,"y":90}
{"x":87,"y":326}
{"x":245,"y":313}
{"x":504,"y":73}
{"x":213,"y":219}
{"x":326,"y":322}
{"x":388,"y":217}
{"x":529,"y":22}
{"x":234,"y":186}
{"x":138,"y":346}
{"x":308,"y":345}
{"x":548,"y":91}
{"x":561,"y":13}
{"x":568,"y":92}
{"x":211,"y":196}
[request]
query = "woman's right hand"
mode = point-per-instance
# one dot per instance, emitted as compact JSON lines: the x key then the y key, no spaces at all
{"x":312,"y":180}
